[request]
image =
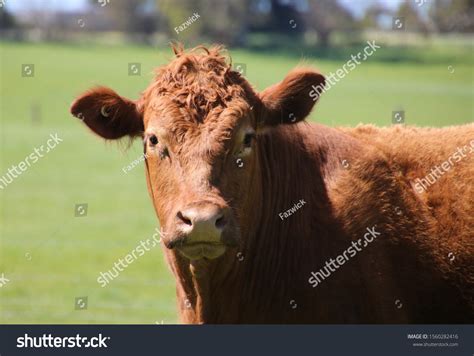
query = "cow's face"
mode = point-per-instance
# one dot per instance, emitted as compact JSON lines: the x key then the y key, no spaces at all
{"x":200,"y":123}
{"x":199,"y":170}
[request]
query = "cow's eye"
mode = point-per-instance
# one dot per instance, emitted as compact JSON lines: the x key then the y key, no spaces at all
{"x":248,"y":138}
{"x":157,"y":147}
{"x":246,"y":146}
{"x":153,"y":140}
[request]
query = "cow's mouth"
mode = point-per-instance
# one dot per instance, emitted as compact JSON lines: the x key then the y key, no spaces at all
{"x":200,"y":250}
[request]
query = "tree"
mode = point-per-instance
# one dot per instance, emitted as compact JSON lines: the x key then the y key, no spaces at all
{"x":326,"y":16}
{"x":132,"y":17}
{"x":373,"y":15}
{"x":453,"y":15}
{"x":7,"y":20}
{"x":412,"y":18}
{"x":284,"y":16}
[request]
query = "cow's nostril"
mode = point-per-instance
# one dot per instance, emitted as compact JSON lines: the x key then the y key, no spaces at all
{"x":220,"y":222}
{"x":184,"y":219}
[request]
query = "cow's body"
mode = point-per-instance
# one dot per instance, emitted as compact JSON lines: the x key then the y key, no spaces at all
{"x":254,"y":203}
{"x":351,"y":180}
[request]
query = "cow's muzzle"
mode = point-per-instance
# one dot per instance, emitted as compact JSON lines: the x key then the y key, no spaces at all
{"x":204,"y":229}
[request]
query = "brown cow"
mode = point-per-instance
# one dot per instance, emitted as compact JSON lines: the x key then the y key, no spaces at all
{"x":269,"y":219}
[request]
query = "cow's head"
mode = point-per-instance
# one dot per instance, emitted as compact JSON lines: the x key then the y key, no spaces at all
{"x":200,"y":122}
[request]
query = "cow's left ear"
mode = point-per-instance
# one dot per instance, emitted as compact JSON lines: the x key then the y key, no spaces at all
{"x":108,"y":114}
{"x":292,"y":99}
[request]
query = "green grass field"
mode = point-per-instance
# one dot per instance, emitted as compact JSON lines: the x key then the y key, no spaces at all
{"x":51,"y":257}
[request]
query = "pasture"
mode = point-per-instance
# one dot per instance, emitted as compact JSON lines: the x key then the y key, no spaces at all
{"x":51,"y":257}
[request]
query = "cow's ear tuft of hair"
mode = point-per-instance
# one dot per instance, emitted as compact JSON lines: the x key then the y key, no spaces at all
{"x":292,"y":99}
{"x":108,"y":114}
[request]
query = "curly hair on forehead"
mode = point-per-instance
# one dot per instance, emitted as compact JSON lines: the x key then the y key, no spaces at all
{"x":199,"y":80}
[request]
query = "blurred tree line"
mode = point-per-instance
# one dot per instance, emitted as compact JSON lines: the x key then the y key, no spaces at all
{"x":232,"y":21}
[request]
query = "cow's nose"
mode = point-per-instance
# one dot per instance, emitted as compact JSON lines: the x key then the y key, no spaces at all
{"x":202,"y":223}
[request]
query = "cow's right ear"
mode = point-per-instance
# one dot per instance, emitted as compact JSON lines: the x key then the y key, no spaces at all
{"x":108,"y":114}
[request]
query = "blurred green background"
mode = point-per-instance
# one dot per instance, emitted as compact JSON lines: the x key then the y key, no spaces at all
{"x":51,"y":257}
